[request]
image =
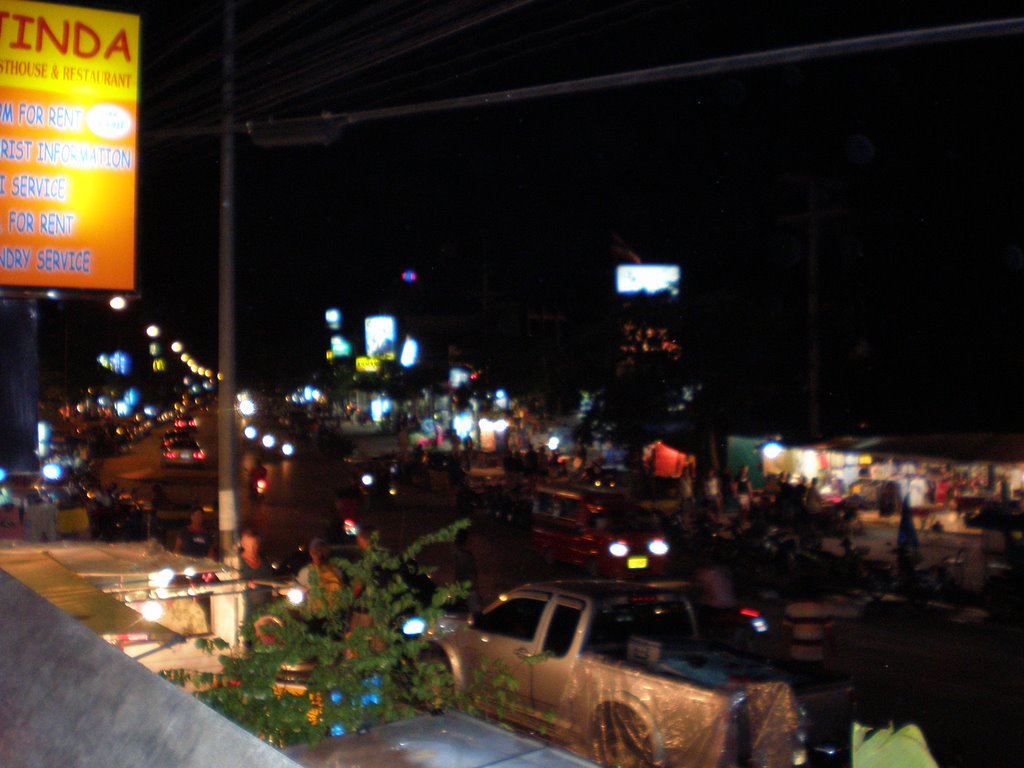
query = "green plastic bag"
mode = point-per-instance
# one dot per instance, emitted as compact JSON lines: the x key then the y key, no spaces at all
{"x":890,"y":747}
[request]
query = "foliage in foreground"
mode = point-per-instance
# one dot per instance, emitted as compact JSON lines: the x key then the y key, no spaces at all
{"x":340,"y":661}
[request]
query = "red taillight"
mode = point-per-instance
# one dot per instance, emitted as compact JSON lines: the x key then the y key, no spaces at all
{"x":261,"y":484}
{"x":749,"y":612}
{"x":125,"y":639}
{"x":171,"y":455}
{"x":643,"y":598}
{"x":198,"y":455}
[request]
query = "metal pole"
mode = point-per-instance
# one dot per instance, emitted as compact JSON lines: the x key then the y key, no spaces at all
{"x":813,"y":331}
{"x":227,"y":469}
{"x":19,"y":389}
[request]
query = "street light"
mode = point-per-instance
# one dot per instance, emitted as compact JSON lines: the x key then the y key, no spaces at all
{"x":118,"y":303}
{"x":153,"y":331}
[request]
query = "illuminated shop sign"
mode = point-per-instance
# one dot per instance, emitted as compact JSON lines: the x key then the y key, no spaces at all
{"x":367,"y":364}
{"x":457,"y":377}
{"x":340,"y":347}
{"x":68,"y":156}
{"x":380,"y":336}
{"x":631,"y":279}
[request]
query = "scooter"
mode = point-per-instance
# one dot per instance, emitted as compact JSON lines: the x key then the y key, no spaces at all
{"x":257,"y":488}
{"x":942,"y":581}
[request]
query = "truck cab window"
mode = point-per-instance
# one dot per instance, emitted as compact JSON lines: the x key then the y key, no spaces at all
{"x":561,"y":630}
{"x":517,"y":618}
{"x":614,"y":624}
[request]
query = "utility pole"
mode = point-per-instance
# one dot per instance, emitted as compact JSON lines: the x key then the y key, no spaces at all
{"x":227,"y":436}
{"x":811,"y":220}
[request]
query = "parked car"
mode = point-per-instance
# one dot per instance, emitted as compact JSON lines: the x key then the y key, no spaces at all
{"x":601,"y":531}
{"x":623,"y":672}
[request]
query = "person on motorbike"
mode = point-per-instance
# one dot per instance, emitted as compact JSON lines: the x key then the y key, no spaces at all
{"x":257,"y":474}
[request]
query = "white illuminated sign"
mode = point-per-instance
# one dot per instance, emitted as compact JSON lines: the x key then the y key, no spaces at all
{"x":631,"y":279}
{"x":380,"y":337}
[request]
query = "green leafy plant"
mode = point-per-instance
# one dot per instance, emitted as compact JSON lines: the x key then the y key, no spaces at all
{"x":340,"y":662}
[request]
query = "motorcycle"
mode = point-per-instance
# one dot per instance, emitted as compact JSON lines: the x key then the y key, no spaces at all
{"x":116,"y":516}
{"x":257,"y":482}
{"x":942,"y":581}
{"x":257,"y":488}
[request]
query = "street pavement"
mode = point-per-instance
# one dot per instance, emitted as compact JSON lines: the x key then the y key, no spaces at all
{"x":943,"y":667}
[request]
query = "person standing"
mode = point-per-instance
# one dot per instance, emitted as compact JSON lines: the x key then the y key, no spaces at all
{"x":194,"y":540}
{"x":253,"y":568}
{"x":40,"y":523}
{"x":466,"y":571}
{"x":906,"y":535}
{"x":686,"y":504}
{"x":744,"y":491}
{"x":712,"y":493}
{"x":328,"y":577}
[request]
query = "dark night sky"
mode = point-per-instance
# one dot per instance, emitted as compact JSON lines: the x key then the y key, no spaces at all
{"x":921,"y":268}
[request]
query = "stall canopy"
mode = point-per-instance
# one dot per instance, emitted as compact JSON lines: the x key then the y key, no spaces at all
{"x":982,"y":447}
{"x":664,"y":460}
{"x":103,"y":614}
{"x":70,"y":699}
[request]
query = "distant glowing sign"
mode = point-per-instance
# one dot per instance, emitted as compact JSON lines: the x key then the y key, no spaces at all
{"x":631,"y":279}
{"x":367,"y":364}
{"x":409,"y":276}
{"x":380,"y":337}
{"x":410,"y":352}
{"x":69,"y":88}
{"x":340,"y":347}
{"x":333,"y":318}
{"x":457,"y":377}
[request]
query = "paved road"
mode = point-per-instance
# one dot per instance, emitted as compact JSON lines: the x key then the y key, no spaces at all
{"x":955,"y":674}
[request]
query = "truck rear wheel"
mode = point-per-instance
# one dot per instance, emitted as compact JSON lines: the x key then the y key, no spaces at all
{"x":621,"y":738}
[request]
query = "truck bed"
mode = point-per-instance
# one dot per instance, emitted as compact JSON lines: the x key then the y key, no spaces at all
{"x":825,"y":698}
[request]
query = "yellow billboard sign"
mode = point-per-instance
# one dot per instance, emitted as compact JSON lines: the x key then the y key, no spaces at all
{"x":68,"y":150}
{"x":367,"y":364}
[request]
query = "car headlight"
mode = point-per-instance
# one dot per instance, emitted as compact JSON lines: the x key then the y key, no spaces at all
{"x":618,"y":549}
{"x":658,"y":547}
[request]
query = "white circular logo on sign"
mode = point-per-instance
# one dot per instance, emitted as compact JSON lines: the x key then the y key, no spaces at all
{"x":108,"y":121}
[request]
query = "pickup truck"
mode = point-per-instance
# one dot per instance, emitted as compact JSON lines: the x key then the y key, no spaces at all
{"x":620,"y":671}
{"x":598,"y":530}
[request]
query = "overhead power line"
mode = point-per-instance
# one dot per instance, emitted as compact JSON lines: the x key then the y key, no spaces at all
{"x":326,"y":127}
